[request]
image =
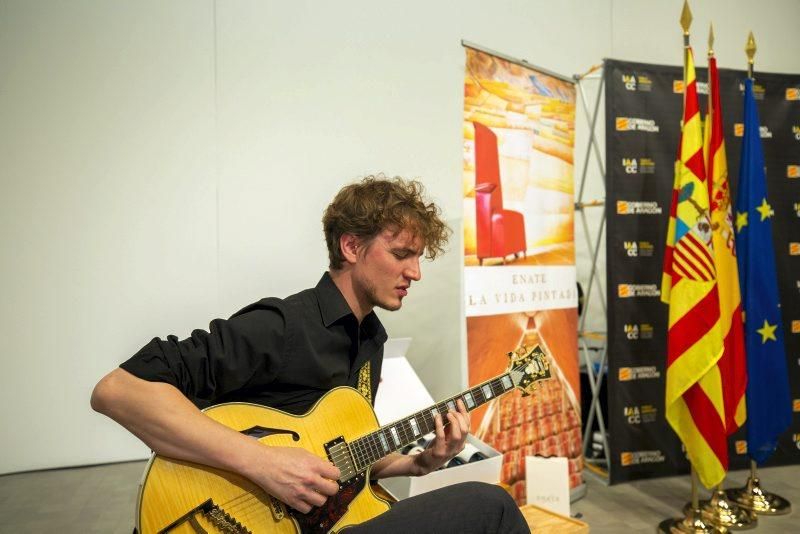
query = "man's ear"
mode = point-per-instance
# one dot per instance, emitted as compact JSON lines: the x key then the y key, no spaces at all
{"x":349,"y":245}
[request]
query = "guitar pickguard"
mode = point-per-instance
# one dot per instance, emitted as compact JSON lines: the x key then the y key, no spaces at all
{"x":322,"y":519}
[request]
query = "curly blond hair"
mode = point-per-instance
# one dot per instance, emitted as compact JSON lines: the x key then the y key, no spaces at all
{"x":366,"y":208}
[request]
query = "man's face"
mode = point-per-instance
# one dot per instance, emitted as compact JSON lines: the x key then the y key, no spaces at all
{"x":385,"y":268}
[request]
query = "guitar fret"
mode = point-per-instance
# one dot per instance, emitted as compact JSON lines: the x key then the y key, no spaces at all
{"x":395,"y":437}
{"x":469,"y":400}
{"x":505,"y":381}
{"x":414,"y":427}
{"x":367,"y":452}
{"x":368,"y":449}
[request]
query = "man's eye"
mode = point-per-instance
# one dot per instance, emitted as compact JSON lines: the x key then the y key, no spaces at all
{"x":400,"y":255}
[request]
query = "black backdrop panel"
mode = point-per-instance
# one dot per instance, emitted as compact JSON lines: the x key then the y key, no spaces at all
{"x":643,"y":112}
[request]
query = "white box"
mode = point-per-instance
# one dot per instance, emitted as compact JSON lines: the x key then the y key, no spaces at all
{"x":402,"y":393}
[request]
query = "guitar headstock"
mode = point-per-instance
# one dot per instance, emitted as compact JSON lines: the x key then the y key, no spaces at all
{"x":527,"y":367}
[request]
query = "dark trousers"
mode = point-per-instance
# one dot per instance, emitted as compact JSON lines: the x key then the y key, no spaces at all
{"x":470,"y":507}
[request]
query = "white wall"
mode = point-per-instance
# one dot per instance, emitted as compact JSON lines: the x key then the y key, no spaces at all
{"x":164,"y":163}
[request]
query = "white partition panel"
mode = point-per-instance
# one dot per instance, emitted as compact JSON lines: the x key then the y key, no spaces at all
{"x":165,"y":163}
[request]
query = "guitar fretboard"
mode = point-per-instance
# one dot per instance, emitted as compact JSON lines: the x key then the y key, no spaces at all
{"x":370,"y":448}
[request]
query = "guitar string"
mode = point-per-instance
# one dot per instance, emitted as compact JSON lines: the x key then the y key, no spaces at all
{"x":248,"y":500}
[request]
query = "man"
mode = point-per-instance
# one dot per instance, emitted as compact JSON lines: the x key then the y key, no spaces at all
{"x":287,"y":353}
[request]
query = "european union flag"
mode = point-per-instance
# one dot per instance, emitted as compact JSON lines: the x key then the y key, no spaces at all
{"x":769,"y":405}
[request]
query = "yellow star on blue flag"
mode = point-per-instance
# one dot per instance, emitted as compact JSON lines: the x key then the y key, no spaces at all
{"x":741,"y":220}
{"x":767,"y":332}
{"x":765,"y":209}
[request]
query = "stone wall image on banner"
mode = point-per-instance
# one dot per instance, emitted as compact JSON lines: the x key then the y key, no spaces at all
{"x":519,"y":255}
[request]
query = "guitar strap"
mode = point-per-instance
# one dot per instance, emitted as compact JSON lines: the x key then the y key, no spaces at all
{"x":365,"y":382}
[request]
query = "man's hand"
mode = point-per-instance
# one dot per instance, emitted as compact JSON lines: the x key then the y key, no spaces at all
{"x":295,"y":477}
{"x":446,"y":444}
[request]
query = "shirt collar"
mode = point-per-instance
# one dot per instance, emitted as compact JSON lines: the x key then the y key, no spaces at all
{"x":331,"y":301}
{"x":334,"y":307}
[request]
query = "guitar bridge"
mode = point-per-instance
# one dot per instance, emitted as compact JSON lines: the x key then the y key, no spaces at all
{"x":216,"y":515}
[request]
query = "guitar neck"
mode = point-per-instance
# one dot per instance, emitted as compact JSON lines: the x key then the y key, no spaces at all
{"x":370,"y":448}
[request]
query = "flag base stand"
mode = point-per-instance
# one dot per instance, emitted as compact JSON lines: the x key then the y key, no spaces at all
{"x":693,"y":523}
{"x":760,"y":502}
{"x":722,"y":511}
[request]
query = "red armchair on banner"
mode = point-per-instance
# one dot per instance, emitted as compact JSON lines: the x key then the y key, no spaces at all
{"x":499,"y":232}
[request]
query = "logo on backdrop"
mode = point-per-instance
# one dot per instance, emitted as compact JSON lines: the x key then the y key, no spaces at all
{"x":644,"y":372}
{"x":796,"y":132}
{"x":625,"y":291}
{"x":634,"y":207}
{"x":641,"y":457}
{"x":793,"y":171}
{"x":677,"y":87}
{"x":640,"y":82}
{"x":793,"y":93}
{"x":794,"y":249}
{"x":796,"y":405}
{"x":795,"y":327}
{"x":741,"y":446}
{"x":631,"y":124}
{"x":764,"y":131}
{"x":640,"y":166}
{"x":797,"y":208}
{"x":636,"y":415}
{"x":638,"y":331}
{"x":796,"y":439}
{"x":643,"y":249}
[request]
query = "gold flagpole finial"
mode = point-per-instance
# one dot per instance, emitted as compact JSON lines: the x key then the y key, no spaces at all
{"x":711,"y":39}
{"x":686,"y":17}
{"x":686,"y":21}
{"x":750,"y":50}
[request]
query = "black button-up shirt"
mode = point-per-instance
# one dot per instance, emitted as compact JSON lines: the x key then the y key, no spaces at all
{"x":282,"y":353}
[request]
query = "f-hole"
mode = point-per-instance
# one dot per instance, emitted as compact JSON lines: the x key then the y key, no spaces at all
{"x":259,"y":432}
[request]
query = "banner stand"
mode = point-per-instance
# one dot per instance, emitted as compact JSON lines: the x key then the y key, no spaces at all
{"x":519,"y":254}
{"x":595,"y":370}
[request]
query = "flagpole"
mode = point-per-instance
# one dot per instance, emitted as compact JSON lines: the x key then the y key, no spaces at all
{"x":693,"y":521}
{"x":719,"y":510}
{"x":751,"y":496}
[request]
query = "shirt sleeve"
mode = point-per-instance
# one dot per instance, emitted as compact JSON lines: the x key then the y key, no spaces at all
{"x":245,"y":351}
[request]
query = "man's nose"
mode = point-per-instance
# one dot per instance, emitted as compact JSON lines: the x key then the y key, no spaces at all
{"x":413,"y":271}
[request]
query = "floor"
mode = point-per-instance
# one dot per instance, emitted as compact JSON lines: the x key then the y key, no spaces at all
{"x":102,"y":499}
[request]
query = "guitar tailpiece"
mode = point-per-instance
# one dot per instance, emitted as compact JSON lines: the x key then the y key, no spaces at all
{"x":223,"y":521}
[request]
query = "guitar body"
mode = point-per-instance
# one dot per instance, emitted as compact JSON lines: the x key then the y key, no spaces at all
{"x":185,"y":497}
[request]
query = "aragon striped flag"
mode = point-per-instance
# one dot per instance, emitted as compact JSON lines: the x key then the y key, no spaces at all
{"x":732,"y":365}
{"x":694,"y":401}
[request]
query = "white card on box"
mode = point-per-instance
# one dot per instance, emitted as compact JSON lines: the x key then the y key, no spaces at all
{"x":401,"y":392}
{"x":547,"y":483}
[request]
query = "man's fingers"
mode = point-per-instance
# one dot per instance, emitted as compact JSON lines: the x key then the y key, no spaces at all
{"x":439,"y":426}
{"x":315,"y":499}
{"x":327,"y":487}
{"x":329,"y":471}
{"x":300,"y":506}
{"x":455,"y":426}
{"x":463,"y":411}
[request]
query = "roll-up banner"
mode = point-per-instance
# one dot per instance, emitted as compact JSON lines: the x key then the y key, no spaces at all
{"x":519,"y":256}
{"x":643,"y":113}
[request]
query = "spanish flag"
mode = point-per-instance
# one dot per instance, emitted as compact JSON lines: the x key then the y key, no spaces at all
{"x":695,"y":406}
{"x":732,"y":365}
